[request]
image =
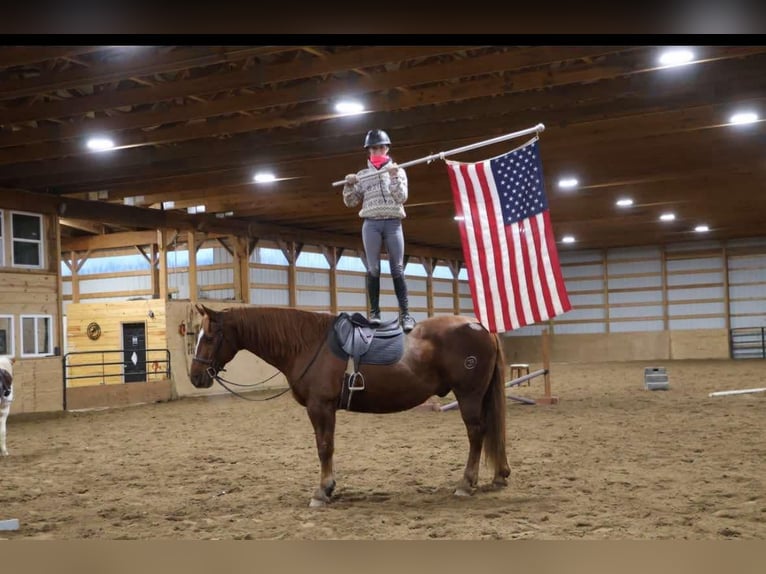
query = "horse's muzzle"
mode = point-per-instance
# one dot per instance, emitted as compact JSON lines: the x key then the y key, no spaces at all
{"x":201,"y":380}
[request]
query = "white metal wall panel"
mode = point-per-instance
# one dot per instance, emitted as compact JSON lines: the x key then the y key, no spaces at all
{"x":275,"y":297}
{"x":351,"y":281}
{"x":268,"y":275}
{"x":566,"y":257}
{"x":131,"y":283}
{"x":313,"y":299}
{"x":348,"y":300}
{"x":443,"y":303}
{"x":633,"y":267}
{"x":695,"y":279}
{"x":633,"y":312}
{"x":635,"y":297}
{"x":646,"y":282}
{"x":442,"y":286}
{"x":313,"y":278}
{"x":578,"y":328}
{"x":571,"y":273}
{"x":695,"y":293}
{"x":633,"y":326}
{"x":586,"y":299}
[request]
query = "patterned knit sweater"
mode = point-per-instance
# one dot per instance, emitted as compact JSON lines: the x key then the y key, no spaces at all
{"x":382,"y":196}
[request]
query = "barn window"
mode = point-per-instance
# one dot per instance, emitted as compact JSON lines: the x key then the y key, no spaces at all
{"x":27,"y":235}
{"x":36,"y":336}
{"x":6,"y":336}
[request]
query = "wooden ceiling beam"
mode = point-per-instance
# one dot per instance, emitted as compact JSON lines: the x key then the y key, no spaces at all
{"x":251,"y":77}
{"x":143,"y":63}
{"x":239,"y":125}
{"x":12,"y":56}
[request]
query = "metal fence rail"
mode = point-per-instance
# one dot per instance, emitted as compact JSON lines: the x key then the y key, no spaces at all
{"x":157,"y":365}
{"x":747,"y":343}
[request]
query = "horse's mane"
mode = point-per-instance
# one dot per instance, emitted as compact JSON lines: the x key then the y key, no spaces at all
{"x":281,"y":332}
{"x":5,"y":363}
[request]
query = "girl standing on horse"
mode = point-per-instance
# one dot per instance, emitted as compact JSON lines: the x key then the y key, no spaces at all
{"x":381,"y":188}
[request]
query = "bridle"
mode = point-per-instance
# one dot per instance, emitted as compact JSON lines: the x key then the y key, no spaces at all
{"x":214,"y":369}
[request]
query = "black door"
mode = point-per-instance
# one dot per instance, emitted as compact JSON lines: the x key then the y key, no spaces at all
{"x":134,"y":346}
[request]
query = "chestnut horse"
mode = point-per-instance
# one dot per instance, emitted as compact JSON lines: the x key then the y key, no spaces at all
{"x":442,"y":354}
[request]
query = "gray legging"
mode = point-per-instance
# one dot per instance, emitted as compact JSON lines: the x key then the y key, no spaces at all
{"x":374,"y":233}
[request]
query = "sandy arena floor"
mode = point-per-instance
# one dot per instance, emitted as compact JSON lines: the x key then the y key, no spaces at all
{"x":610,"y":461}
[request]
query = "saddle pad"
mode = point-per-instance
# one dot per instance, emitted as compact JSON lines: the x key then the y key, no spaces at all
{"x":375,"y":347}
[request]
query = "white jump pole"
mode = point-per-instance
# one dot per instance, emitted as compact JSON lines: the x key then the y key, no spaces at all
{"x":738,"y":392}
{"x":441,"y":155}
{"x":511,"y":383}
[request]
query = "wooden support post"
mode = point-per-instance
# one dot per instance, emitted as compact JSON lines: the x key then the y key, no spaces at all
{"x":162,"y":264}
{"x":153,"y":263}
{"x":75,"y":278}
{"x":191,"y":245}
{"x":241,"y":253}
{"x":547,"y":398}
{"x":428,"y":265}
{"x":605,"y":279}
{"x":332,"y":254}
{"x":454,"y":266}
{"x":726,"y":294}
{"x":291,"y":251}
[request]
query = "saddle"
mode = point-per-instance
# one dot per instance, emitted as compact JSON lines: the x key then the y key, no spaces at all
{"x":353,"y":338}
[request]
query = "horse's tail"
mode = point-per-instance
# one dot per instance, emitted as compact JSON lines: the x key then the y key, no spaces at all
{"x":494,"y":411}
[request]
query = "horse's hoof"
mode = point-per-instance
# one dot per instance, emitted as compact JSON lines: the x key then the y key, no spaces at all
{"x":463,"y":492}
{"x":316,"y":503}
{"x":500,"y":482}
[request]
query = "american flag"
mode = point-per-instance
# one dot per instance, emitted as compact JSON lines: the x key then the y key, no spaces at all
{"x":508,"y":243}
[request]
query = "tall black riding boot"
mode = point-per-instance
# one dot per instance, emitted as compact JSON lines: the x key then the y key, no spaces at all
{"x":400,"y":287}
{"x":373,"y":291}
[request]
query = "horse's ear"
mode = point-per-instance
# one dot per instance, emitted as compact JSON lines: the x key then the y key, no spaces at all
{"x":201,"y":309}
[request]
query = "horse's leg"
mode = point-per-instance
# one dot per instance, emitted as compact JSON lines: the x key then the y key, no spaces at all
{"x":3,"y":417}
{"x":470,"y":410}
{"x":322,"y":417}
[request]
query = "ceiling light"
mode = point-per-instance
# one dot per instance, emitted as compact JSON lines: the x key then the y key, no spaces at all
{"x":264,"y":177}
{"x":701,"y":228}
{"x":568,"y":239}
{"x":742,"y":118}
{"x":676,"y":57}
{"x":568,"y":183}
{"x":349,"y":107}
{"x":667,"y":216}
{"x":459,"y":218}
{"x":168,"y":204}
{"x":100,"y":144}
{"x":196,"y":209}
{"x":625,"y":202}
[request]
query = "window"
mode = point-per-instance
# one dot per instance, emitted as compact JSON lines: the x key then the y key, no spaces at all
{"x":36,"y":337}
{"x":27,"y":236}
{"x":6,"y":336}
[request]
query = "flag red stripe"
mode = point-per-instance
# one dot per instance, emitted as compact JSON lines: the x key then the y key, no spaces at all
{"x":529,"y":276}
{"x":478,"y":223}
{"x":542,"y":276}
{"x":554,"y":256}
{"x":498,"y":236}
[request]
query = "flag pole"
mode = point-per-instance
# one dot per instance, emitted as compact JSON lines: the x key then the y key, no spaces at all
{"x":441,"y":155}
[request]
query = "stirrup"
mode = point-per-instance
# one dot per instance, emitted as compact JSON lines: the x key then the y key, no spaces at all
{"x":374,"y":319}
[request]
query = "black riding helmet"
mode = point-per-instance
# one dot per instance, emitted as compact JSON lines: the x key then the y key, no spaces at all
{"x":376,"y":137}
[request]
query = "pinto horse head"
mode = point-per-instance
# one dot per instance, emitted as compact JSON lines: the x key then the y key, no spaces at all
{"x":215,"y":347}
{"x":6,"y":377}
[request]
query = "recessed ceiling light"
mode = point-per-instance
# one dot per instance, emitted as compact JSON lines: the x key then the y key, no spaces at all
{"x":568,"y":183}
{"x":676,"y":57}
{"x":168,"y":204}
{"x":741,"y":118}
{"x":349,"y":107}
{"x":100,"y":144}
{"x":196,"y":209}
{"x":568,"y":239}
{"x":264,"y":177}
{"x":459,"y":218}
{"x":625,"y":202}
{"x":667,"y":216}
{"x":701,"y":228}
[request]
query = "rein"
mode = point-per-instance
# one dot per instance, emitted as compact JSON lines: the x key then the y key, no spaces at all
{"x":213,"y":371}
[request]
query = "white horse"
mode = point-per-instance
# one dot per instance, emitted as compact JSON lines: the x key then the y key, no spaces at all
{"x":6,"y":397}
